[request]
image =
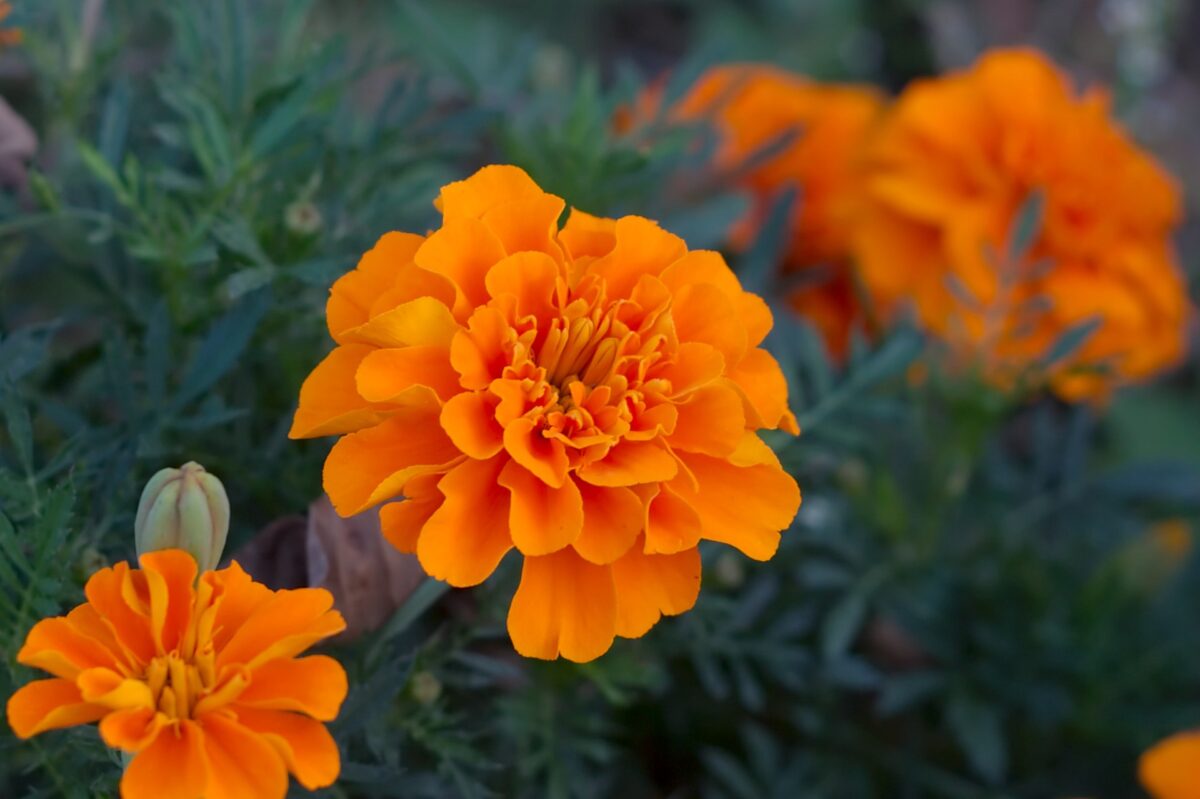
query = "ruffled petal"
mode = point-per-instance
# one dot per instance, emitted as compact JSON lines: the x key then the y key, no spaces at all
{"x":351,"y":296}
{"x":563,"y":606}
{"x":305,"y":745}
{"x":745,"y":506}
{"x":170,"y":575}
{"x":672,"y":524}
{"x":469,"y":419}
{"x":329,"y":400}
{"x":372,"y":465}
{"x":489,"y":187}
{"x":651,"y":586}
{"x":241,"y":763}
{"x":132,"y":729}
{"x":57,"y":646}
{"x":173,"y":767}
{"x":315,"y":685}
{"x":401,"y":522}
{"x":106,"y":595}
{"x":422,"y":321}
{"x":630,"y":463}
{"x":612,"y":519}
{"x":385,"y":375}
{"x":541,"y":518}
{"x":642,"y":248}
{"x":286,"y":624}
{"x":49,"y":705}
{"x":467,"y":536}
{"x":711,"y":421}
{"x":463,"y":250}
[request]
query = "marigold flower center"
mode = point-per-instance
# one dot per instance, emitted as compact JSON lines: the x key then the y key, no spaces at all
{"x":177,"y":685}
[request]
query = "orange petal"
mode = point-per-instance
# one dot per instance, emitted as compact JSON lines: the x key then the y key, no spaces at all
{"x":585,"y":235}
{"x":563,"y":606}
{"x":329,"y":400}
{"x":642,"y":248}
{"x":530,"y":278}
{"x":491,"y":186}
{"x":352,"y":295}
{"x":672,"y":526}
{"x":467,"y":536}
{"x":132,"y":628}
{"x":527,"y":224}
{"x":240,"y":598}
{"x":401,"y":522}
{"x":764,"y":389}
{"x":57,"y":646}
{"x":470,"y":421}
{"x":1171,"y":769}
{"x":541,"y":518}
{"x":372,"y":465}
{"x":651,"y":586}
{"x":286,"y":624}
{"x":463,"y":250}
{"x":479,"y":353}
{"x":132,"y":729}
{"x":305,"y":745}
{"x":695,"y":364}
{"x":630,"y":463}
{"x":315,"y":685}
{"x":705,"y":314}
{"x":702,"y":266}
{"x":49,"y":705}
{"x":170,"y":575}
{"x":743,"y":506}
{"x":386,"y":374}
{"x":106,"y":687}
{"x":612,"y":519}
{"x":545,"y":457}
{"x":173,"y":767}
{"x":710,"y":420}
{"x":241,"y":763}
{"x":420,"y":321}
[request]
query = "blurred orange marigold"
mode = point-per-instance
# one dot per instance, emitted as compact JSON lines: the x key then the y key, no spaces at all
{"x":947,"y":177}
{"x":1171,"y":770}
{"x":9,"y":37}
{"x":199,"y":680}
{"x":589,"y":396}
{"x":756,"y":107}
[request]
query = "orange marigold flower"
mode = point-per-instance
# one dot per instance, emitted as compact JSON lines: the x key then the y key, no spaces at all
{"x":9,"y":37}
{"x":588,"y":395}
{"x":1171,"y":769}
{"x":198,"y":679}
{"x":753,"y":106}
{"x":947,"y":176}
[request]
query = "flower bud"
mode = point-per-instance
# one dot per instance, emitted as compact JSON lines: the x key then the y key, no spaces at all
{"x":184,"y":508}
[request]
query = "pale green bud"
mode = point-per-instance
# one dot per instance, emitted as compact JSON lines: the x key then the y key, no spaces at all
{"x":184,"y":508}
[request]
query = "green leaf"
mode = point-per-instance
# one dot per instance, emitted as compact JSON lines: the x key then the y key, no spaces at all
{"x":977,"y":729}
{"x":20,"y":430}
{"x":1026,"y":225}
{"x":221,"y":347}
{"x":1072,"y":339}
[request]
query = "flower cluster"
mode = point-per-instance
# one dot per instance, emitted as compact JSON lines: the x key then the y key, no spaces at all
{"x":196,"y":676}
{"x":589,"y":396}
{"x":779,"y":131}
{"x":946,"y":178}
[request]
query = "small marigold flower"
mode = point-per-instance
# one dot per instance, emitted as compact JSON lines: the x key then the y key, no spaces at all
{"x":9,"y":37}
{"x":947,"y":177}
{"x":754,"y":107}
{"x":197,"y":679}
{"x":588,"y":395}
{"x":1171,"y":769}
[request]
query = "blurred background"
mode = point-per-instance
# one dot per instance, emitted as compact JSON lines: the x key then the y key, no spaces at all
{"x":983,"y":597}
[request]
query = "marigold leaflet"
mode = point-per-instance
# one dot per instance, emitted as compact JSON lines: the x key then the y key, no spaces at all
{"x":588,"y":395}
{"x":951,"y":170}
{"x":197,"y":679}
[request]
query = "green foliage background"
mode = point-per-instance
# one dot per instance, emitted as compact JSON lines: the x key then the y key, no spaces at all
{"x":969,"y":605}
